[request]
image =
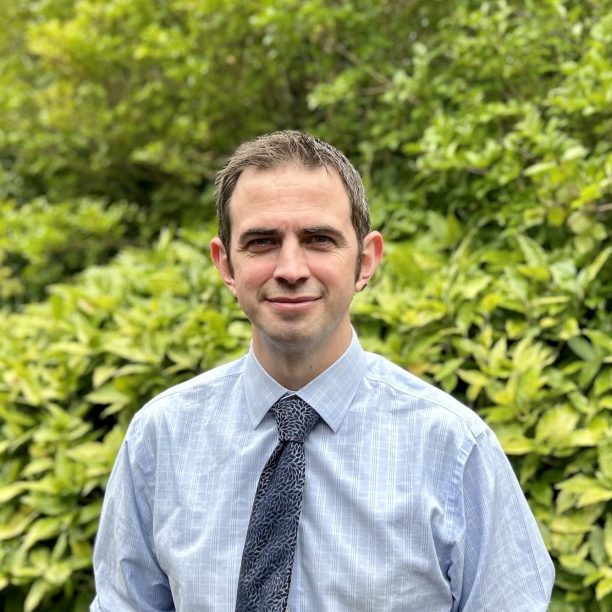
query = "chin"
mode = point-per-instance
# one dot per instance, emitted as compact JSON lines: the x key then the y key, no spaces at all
{"x":292,"y":340}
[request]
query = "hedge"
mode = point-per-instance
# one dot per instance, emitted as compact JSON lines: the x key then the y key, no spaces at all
{"x":73,"y":371}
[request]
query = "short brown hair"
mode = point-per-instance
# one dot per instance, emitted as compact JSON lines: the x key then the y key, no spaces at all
{"x":285,"y":147}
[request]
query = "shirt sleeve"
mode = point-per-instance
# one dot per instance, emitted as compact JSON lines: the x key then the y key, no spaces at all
{"x":127,"y":574}
{"x":499,"y":560}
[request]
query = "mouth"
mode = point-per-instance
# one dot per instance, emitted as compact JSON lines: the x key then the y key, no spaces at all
{"x":292,"y":300}
{"x":293,"y":303}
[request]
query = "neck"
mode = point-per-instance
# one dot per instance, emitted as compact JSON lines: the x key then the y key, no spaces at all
{"x":294,"y":367}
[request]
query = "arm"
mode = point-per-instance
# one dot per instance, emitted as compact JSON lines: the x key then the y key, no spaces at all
{"x":128,"y":576}
{"x":499,"y":561}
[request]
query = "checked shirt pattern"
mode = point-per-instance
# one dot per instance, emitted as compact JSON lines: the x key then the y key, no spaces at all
{"x":267,"y":560}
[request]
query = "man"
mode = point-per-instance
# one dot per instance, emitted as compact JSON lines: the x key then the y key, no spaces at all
{"x":393,"y":496}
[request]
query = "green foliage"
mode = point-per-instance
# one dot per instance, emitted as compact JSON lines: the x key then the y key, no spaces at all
{"x":503,"y":222}
{"x":42,"y":243}
{"x":525,"y":337}
{"x":482,"y":130}
{"x":74,"y":369}
{"x":142,"y":100}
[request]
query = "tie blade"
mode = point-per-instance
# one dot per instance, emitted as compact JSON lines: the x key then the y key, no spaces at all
{"x":267,"y":560}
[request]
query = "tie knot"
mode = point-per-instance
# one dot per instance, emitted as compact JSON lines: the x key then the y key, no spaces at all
{"x":295,"y":418}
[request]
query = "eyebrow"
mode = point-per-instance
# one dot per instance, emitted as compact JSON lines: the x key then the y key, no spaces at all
{"x":257,"y":231}
{"x":328,"y":230}
{"x":321,"y":229}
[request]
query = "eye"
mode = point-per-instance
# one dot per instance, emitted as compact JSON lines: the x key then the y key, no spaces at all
{"x":320,"y":240}
{"x":260,"y":244}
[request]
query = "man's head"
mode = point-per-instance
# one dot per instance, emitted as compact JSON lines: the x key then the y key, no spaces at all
{"x":294,"y":246}
{"x":290,"y":147}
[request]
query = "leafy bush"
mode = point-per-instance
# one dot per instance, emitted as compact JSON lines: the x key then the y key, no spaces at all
{"x":73,"y":370}
{"x":43,"y":243}
{"x":524,"y":336}
{"x":141,"y":100}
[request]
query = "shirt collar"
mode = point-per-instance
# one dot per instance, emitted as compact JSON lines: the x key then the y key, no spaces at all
{"x":330,"y":393}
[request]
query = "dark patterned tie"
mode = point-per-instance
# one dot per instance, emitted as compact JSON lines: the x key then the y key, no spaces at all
{"x":267,"y":560}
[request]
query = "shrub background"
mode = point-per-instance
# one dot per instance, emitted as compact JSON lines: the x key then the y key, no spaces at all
{"x":483,"y":131}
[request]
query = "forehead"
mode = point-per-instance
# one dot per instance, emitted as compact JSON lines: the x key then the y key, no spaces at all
{"x":289,"y":192}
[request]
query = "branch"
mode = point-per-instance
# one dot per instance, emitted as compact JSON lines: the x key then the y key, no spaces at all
{"x":351,"y":57}
{"x":604,"y":207}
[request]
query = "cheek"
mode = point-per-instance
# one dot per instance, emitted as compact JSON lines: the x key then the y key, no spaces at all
{"x":249,"y":276}
{"x":336,"y":272}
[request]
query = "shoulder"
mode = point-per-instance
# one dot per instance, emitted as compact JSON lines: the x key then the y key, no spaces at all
{"x":191,"y":395}
{"x":421,"y":398}
{"x":206,"y":383}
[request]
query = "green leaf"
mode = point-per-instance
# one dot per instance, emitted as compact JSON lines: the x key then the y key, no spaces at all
{"x":518,"y":445}
{"x":538,"y":273}
{"x":129,"y":352}
{"x":8,"y":492}
{"x":576,"y":563}
{"x":44,"y":464}
{"x":58,"y":574}
{"x":600,"y":339}
{"x":102,"y":374}
{"x":17,"y":524}
{"x":582,"y":348}
{"x":556,"y":424}
{"x":36,"y":594}
{"x":70,"y":348}
{"x":604,"y":454}
{"x":597,"y":549}
{"x":539,"y":168}
{"x":534,"y":254}
{"x":108,"y":394}
{"x":43,"y":529}
{"x":608,"y":535}
{"x":603,"y":588}
{"x":577,"y":522}
{"x":589,"y":274}
{"x":588,"y":490}
{"x":575,"y":152}
{"x":89,"y":453}
{"x":473,"y":377}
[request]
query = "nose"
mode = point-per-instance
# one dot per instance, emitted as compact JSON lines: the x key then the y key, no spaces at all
{"x":291,"y":264}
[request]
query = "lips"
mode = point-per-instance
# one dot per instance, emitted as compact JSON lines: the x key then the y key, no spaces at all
{"x":292,"y":300}
{"x":284,"y":304}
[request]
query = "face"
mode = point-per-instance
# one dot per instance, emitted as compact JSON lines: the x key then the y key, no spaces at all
{"x":294,"y":256}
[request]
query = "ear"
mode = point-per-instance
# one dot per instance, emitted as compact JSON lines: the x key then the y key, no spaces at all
{"x":221,"y":260}
{"x":371,"y":254}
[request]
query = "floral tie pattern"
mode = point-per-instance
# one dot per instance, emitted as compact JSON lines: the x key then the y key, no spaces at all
{"x":267,"y":560}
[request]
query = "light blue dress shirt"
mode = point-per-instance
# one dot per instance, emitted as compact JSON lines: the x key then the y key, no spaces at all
{"x":409,"y":504}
